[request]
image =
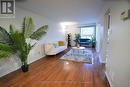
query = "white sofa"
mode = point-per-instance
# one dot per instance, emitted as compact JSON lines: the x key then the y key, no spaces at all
{"x":53,"y":48}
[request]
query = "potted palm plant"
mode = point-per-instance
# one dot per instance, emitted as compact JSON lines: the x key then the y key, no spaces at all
{"x":17,"y":40}
{"x":93,"y":41}
{"x":77,"y":37}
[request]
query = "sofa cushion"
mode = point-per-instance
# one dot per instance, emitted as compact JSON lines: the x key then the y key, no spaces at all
{"x":61,"y":43}
{"x":54,"y":48}
{"x":55,"y":44}
{"x":57,"y":50}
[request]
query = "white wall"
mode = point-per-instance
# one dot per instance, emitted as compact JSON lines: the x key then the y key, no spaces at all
{"x":54,"y":33}
{"x":117,"y":63}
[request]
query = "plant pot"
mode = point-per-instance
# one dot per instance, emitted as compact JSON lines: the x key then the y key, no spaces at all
{"x":25,"y":68}
{"x":93,"y":46}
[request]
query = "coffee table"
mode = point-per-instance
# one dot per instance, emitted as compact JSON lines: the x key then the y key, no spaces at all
{"x":78,"y":50}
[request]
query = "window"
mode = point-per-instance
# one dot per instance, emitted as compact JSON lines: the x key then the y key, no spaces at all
{"x":87,"y":32}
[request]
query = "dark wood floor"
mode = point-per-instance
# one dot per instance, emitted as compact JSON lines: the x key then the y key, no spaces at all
{"x":53,"y":72}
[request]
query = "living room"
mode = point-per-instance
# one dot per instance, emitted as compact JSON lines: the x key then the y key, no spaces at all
{"x":78,"y":46}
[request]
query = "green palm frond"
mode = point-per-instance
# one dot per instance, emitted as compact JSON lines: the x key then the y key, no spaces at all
{"x":4,"y":54}
{"x":5,"y":47}
{"x":5,"y":50}
{"x":12,"y":28}
{"x":39,"y":32}
{"x":21,"y":45}
{"x":28,"y":27}
{"x":4,"y":36}
{"x":19,"y":41}
{"x":12,"y":35}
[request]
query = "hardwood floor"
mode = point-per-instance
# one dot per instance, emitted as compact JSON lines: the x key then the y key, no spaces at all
{"x":54,"y":72}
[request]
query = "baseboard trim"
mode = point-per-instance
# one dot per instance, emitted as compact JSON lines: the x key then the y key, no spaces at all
{"x":109,"y":79}
{"x":6,"y":73}
{"x":18,"y":67}
{"x":101,"y":61}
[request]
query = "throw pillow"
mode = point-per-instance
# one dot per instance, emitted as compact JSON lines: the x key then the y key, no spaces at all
{"x":61,"y":43}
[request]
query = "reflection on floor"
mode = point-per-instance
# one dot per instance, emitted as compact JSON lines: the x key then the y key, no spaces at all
{"x":54,"y":72}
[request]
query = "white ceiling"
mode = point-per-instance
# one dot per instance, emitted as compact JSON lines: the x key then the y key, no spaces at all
{"x":81,"y":11}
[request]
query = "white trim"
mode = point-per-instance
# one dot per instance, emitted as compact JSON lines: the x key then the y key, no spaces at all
{"x":100,"y":59}
{"x":109,"y":79}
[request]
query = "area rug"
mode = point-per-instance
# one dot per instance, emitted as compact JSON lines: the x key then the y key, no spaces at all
{"x":85,"y":56}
